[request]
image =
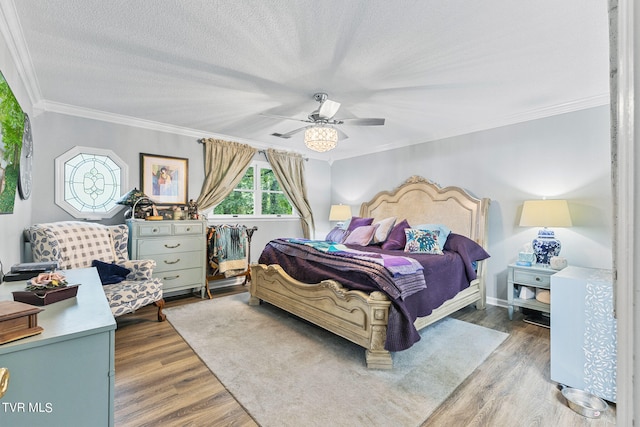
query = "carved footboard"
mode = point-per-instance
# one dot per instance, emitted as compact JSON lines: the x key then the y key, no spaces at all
{"x":357,"y":316}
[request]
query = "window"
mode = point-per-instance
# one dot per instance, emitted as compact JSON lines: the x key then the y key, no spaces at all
{"x":257,"y":194}
{"x":89,"y":182}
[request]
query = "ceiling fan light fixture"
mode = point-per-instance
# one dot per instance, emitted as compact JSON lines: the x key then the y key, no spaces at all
{"x":320,"y":138}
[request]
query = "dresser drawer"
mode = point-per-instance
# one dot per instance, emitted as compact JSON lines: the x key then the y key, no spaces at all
{"x":154,"y":229}
{"x":188,"y":228}
{"x":154,"y":247}
{"x":531,"y":278}
{"x":178,"y":260}
{"x":180,"y":279}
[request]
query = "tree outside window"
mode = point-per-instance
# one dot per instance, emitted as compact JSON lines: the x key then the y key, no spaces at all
{"x":257,"y":194}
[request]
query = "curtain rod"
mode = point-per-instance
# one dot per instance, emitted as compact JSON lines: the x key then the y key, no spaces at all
{"x":201,"y":141}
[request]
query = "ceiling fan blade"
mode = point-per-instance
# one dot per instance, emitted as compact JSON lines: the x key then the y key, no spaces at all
{"x":274,"y":116}
{"x":288,"y":134}
{"x":361,"y":122}
{"x":328,"y":109}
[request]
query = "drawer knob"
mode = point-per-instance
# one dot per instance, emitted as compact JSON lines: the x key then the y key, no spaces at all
{"x":172,"y":262}
{"x":4,"y":381}
{"x":171,"y":247}
{"x":538,"y":279}
{"x":155,"y":230}
{"x":188,"y":228}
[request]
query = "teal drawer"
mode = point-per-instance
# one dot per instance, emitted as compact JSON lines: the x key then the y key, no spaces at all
{"x":188,"y":228}
{"x":531,"y":278}
{"x":178,"y":261}
{"x":180,"y":279}
{"x":170,"y":245}
{"x":154,"y":229}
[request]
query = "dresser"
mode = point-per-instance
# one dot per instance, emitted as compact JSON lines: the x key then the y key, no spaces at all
{"x":65,"y":375}
{"x":179,"y":249}
{"x":584,"y":330}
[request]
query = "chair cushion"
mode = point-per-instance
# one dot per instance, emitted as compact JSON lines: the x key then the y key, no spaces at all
{"x":128,"y":296}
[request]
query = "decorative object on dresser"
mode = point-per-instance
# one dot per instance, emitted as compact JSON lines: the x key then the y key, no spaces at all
{"x":545,"y":213}
{"x":369,"y":318}
{"x":584,"y":331}
{"x":164,"y":178}
{"x":65,"y":374}
{"x":137,"y":202}
{"x":522,"y":282}
{"x":177,"y":247}
{"x":228,"y":253}
{"x":76,"y":244}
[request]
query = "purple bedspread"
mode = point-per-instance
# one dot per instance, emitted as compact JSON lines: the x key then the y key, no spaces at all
{"x":445,"y":275}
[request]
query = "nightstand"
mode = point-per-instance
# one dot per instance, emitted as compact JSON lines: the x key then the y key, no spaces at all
{"x":534,"y":277}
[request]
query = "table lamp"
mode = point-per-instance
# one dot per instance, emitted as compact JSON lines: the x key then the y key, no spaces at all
{"x":545,"y":213}
{"x":340,"y":213}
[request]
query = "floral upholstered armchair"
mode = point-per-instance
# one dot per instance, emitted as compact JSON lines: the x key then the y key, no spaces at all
{"x":77,"y":244}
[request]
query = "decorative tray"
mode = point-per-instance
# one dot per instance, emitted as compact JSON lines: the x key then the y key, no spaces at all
{"x":48,"y":296}
{"x":45,"y":289}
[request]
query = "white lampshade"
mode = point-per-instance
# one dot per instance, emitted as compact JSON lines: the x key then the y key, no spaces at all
{"x":545,"y":213}
{"x":320,"y":138}
{"x":340,"y":213}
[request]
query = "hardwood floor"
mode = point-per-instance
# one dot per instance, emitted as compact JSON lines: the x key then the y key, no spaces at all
{"x":160,"y":381}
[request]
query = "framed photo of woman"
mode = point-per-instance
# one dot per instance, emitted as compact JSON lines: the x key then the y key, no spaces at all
{"x":164,"y":179}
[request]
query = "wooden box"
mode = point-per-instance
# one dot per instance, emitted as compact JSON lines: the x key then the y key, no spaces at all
{"x":18,"y":320}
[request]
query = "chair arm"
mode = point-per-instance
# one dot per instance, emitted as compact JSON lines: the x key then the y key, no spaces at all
{"x":141,"y":269}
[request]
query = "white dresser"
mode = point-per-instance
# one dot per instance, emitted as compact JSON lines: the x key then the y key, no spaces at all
{"x":583,"y":331}
{"x":178,"y":247}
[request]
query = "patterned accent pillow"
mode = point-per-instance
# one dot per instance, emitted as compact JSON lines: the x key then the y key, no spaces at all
{"x":422,"y":241}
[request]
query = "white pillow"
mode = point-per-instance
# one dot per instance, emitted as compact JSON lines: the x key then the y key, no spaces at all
{"x":384,"y":228}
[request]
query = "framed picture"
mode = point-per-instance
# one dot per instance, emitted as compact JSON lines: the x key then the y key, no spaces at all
{"x":164,"y":179}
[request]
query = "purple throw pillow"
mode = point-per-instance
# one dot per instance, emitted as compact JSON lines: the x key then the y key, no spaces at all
{"x":357,"y":221}
{"x":337,"y":235}
{"x":397,"y":239}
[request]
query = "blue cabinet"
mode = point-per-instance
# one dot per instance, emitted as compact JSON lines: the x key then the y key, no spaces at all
{"x":65,"y":375}
{"x":583,"y":331}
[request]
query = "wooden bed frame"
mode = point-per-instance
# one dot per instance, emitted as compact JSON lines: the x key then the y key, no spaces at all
{"x":361,"y":317}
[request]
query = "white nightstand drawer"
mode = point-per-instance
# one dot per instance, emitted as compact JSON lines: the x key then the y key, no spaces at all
{"x":531,"y":278}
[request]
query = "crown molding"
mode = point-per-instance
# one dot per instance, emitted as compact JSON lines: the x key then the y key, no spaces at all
{"x":14,"y":38}
{"x":534,"y":114}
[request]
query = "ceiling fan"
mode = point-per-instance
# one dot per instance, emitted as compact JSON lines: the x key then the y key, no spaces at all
{"x":322,"y":124}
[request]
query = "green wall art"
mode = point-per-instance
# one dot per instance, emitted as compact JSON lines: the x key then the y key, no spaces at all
{"x":12,"y":120}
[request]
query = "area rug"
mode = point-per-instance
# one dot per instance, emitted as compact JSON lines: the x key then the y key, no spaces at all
{"x":287,"y":372}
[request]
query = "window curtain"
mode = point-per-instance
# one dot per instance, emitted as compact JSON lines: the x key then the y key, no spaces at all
{"x":289,"y":171}
{"x":225,"y":163}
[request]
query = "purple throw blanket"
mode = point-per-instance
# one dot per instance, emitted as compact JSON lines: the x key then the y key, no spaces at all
{"x":445,"y":275}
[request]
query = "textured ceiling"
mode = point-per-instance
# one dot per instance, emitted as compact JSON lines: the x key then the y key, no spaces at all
{"x":432,"y":68}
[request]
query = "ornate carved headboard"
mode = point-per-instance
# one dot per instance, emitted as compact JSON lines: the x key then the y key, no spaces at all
{"x":421,"y":201}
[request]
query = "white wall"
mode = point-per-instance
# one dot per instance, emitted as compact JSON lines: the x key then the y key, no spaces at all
{"x":565,"y":156}
{"x":11,"y":225}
